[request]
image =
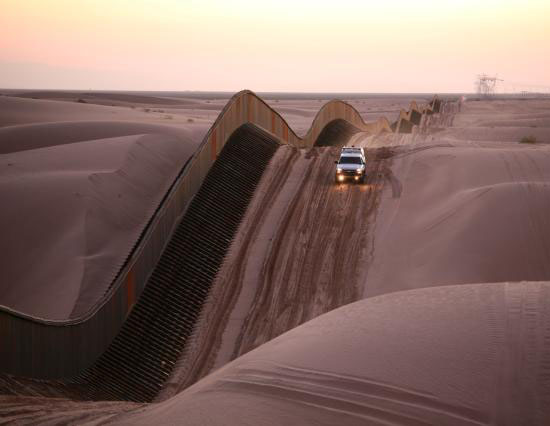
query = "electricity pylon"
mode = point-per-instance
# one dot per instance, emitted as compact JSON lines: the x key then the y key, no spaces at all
{"x":485,"y":85}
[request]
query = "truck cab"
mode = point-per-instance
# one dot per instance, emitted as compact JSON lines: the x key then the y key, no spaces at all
{"x":351,"y":166}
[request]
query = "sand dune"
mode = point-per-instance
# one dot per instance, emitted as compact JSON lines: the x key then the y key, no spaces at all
{"x":50,"y":106}
{"x":507,"y":131}
{"x":451,"y":212}
{"x":19,"y":111}
{"x":74,"y":210}
{"x":79,"y":164}
{"x":51,"y":411}
{"x":98,"y":96}
{"x":472,"y":354}
{"x":473,"y":206}
{"x":457,"y":355}
{"x":36,"y":136}
{"x":459,"y":213}
{"x":300,"y":252}
{"x":95,"y":173}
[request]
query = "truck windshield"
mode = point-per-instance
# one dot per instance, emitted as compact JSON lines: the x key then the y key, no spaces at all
{"x":350,"y":160}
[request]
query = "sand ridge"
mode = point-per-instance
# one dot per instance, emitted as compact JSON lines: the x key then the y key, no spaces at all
{"x":470,"y":210}
{"x":95,"y":173}
{"x":473,"y":357}
{"x":94,"y":198}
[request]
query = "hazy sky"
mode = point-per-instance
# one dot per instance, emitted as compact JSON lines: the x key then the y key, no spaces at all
{"x":283,"y":45}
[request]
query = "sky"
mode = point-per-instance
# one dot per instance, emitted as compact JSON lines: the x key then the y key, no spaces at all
{"x":420,"y":46}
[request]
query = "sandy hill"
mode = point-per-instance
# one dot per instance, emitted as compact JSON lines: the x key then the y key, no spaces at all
{"x":79,"y":183}
{"x":449,"y":269}
{"x":473,"y":205}
{"x":457,"y":355}
{"x":438,"y":209}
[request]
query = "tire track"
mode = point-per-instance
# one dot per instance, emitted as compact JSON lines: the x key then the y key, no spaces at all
{"x":319,"y":252}
{"x":201,"y":354}
{"x":314,"y":261}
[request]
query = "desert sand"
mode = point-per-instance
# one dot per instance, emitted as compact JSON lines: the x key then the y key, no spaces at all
{"x":78,"y":187}
{"x":192,"y":112}
{"x":303,"y":249}
{"x":435,"y":204}
{"x":423,"y":295}
{"x":458,"y":355}
{"x":473,"y":205}
{"x":76,"y":210}
{"x":90,"y":162}
{"x":299,"y":252}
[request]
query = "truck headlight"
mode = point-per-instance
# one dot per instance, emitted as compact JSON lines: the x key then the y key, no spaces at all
{"x":338,"y":170}
{"x":359,"y":170}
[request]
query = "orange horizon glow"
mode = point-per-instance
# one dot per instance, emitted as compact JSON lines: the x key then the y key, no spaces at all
{"x":306,"y":46}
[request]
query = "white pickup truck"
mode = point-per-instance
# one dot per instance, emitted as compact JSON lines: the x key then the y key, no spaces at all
{"x":351,"y":165}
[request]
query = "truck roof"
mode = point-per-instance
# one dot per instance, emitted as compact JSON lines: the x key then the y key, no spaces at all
{"x":352,"y":148}
{"x":352,"y":151}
